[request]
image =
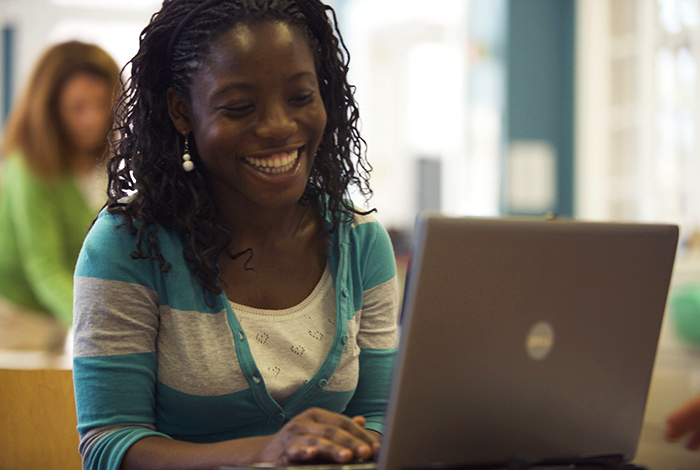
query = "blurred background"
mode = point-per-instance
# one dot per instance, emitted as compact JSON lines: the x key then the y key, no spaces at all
{"x":586,"y":109}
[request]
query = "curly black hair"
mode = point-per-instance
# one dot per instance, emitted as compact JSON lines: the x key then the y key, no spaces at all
{"x":147,"y":185}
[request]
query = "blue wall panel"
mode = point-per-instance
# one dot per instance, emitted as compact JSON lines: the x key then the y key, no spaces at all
{"x":540,"y":89}
{"x":7,"y":87}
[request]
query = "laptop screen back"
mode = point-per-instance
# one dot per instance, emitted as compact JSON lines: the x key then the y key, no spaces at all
{"x":526,"y":339}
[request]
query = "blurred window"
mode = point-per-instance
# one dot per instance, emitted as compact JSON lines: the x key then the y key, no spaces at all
{"x":638,"y":157}
{"x":430,"y":89}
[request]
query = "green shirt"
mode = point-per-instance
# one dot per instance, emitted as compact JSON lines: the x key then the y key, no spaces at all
{"x":42,"y":227}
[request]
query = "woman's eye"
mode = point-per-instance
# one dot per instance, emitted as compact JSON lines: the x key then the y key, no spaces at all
{"x":238,"y":110}
{"x":303,"y":98}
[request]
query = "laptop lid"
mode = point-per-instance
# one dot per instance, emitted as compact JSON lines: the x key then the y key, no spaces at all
{"x":526,"y":339}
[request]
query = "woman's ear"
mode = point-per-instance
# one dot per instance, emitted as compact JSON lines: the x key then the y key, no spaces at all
{"x":179,"y":112}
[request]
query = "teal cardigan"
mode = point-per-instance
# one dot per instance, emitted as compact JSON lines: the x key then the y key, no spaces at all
{"x":42,"y":227}
{"x":153,"y":358}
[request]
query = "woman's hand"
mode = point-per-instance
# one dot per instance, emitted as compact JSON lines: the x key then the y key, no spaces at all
{"x":321,"y":434}
{"x":685,"y":420}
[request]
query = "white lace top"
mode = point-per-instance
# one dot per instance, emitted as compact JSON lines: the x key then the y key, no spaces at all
{"x":290,"y":345}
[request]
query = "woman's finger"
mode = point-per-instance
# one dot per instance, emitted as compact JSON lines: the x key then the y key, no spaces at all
{"x":299,"y":453}
{"x":694,"y":442}
{"x":347,"y":424}
{"x":324,"y":432}
{"x":683,"y":420}
{"x":359,"y":420}
{"x":310,"y":447}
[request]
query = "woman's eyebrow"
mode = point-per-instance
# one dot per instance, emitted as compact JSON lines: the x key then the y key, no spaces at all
{"x":232,"y":86}
{"x":303,"y":74}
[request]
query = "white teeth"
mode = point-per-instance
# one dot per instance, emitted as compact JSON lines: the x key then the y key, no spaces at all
{"x":277,"y":163}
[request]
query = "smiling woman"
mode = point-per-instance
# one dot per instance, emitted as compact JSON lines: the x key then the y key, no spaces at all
{"x":244,"y":311}
{"x":258,"y":113}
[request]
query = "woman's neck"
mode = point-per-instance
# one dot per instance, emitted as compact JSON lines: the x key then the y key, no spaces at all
{"x":252,"y":225}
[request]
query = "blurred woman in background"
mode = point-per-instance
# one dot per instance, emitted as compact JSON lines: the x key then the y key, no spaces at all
{"x":51,"y":188}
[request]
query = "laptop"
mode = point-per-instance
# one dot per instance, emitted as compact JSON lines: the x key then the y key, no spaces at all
{"x":526,"y":340}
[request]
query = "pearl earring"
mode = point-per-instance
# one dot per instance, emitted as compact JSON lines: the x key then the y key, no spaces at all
{"x":187,"y":163}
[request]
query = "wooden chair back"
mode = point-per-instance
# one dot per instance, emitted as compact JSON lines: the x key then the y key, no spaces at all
{"x":38,"y":420}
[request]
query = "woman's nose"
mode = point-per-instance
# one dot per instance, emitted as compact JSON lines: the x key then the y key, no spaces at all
{"x":276,"y":123}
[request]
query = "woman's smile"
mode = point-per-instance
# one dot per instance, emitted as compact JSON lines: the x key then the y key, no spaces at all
{"x":280,"y":163}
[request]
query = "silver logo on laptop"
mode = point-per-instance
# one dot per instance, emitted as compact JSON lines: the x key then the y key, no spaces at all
{"x":539,"y":340}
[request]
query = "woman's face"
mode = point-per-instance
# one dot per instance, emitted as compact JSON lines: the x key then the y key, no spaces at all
{"x":257,"y":116}
{"x":85,"y":108}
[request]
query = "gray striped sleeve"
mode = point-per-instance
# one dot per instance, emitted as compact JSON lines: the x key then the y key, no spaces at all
{"x":379,"y":316}
{"x":113,"y":317}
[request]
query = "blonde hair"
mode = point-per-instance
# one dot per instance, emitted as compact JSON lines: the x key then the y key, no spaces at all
{"x":34,"y":127}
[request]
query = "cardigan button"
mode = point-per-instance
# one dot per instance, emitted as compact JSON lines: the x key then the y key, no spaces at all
{"x":280,"y":416}
{"x":344,"y":339}
{"x":345,"y":293}
{"x":322,"y":383}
